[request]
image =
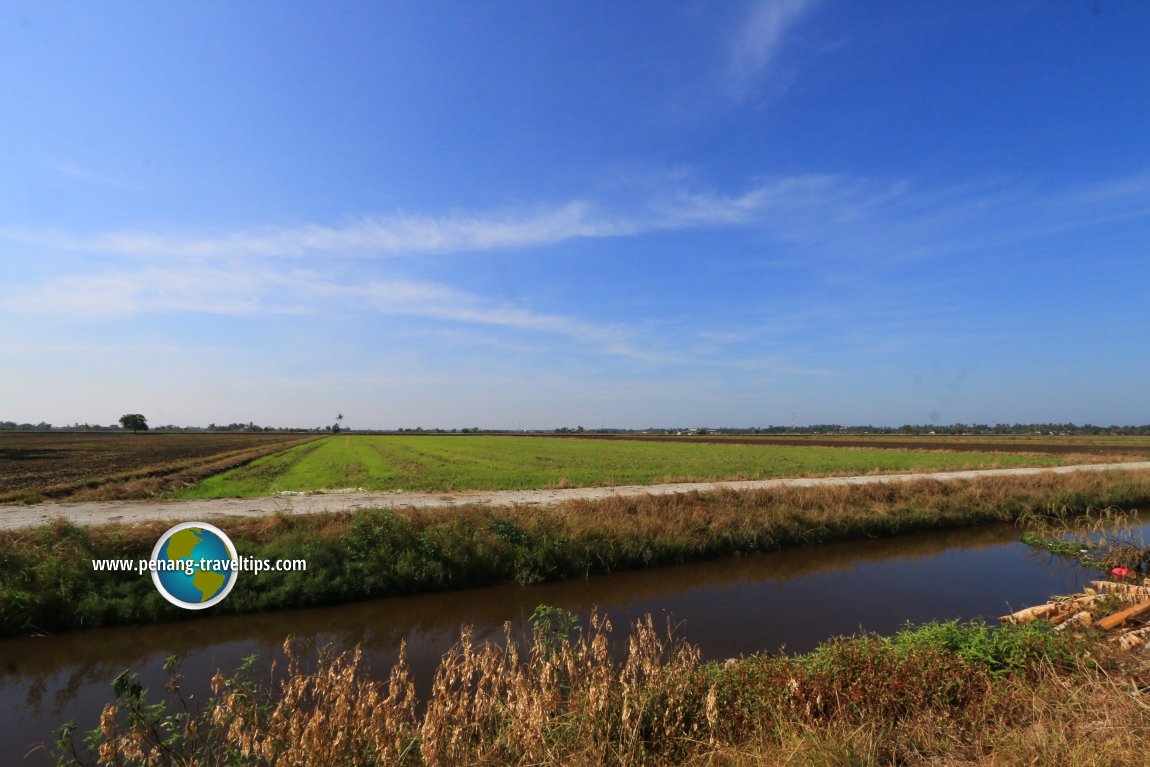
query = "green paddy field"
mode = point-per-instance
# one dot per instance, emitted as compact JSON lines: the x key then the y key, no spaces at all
{"x":381,"y":463}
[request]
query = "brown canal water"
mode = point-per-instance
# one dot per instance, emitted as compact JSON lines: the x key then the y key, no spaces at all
{"x":788,"y":600}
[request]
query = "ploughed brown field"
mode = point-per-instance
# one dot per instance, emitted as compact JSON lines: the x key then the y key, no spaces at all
{"x":37,"y":466}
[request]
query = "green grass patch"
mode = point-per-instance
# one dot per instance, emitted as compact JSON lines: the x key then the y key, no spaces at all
{"x":383,"y":463}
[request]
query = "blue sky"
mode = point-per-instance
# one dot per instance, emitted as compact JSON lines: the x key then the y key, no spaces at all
{"x":528,"y":215}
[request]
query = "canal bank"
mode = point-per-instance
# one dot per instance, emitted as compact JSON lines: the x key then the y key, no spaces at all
{"x":50,"y":585}
{"x":780,"y":601}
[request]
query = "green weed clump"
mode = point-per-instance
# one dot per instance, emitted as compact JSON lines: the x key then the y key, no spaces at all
{"x":995,"y":650}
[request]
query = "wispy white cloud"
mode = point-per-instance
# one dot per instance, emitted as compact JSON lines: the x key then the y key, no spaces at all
{"x":396,"y":234}
{"x":790,"y":208}
{"x":244,"y":288}
{"x":760,"y":38}
{"x":69,"y":351}
{"x":769,"y":202}
{"x":798,"y":208}
{"x":835,"y":219}
{"x":826,"y":222}
{"x":118,"y":292}
{"x":441,"y":302}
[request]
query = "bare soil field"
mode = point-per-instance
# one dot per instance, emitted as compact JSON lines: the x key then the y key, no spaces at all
{"x":37,"y":466}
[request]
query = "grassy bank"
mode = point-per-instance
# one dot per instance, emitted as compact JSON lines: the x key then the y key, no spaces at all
{"x":504,"y":463}
{"x":940,"y":694}
{"x":49,"y":583}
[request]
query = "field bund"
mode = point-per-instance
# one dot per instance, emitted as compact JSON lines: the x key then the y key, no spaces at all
{"x":381,"y":552}
{"x":136,"y":512}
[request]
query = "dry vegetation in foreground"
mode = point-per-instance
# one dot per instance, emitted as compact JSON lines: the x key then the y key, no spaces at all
{"x":103,"y":467}
{"x":943,"y":694}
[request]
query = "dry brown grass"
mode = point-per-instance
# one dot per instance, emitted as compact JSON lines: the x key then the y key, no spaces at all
{"x":332,"y":715}
{"x":557,"y":702}
{"x":566,"y":702}
{"x":757,"y":515}
{"x":1083,"y":726}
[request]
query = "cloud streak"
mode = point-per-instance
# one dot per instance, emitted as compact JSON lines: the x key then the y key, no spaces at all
{"x":760,"y":40}
{"x":796,"y":209}
{"x":395,"y":235}
{"x":820,"y":223}
{"x":408,"y":234}
{"x":246,"y":289}
{"x":183,"y":289}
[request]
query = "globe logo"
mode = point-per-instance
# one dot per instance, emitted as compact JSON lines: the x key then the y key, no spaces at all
{"x":193,"y":565}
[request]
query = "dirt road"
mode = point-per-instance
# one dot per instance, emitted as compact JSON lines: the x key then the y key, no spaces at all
{"x":129,"y":512}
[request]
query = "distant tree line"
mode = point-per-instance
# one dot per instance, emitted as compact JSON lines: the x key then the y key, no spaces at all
{"x":464,"y":430}
{"x":955,"y":429}
{"x":240,"y":427}
{"x":252,"y":427}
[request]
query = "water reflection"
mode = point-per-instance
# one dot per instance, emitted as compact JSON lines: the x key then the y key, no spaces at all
{"x":791,"y":599}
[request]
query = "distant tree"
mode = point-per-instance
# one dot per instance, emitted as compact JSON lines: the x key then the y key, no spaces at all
{"x":134,"y":421}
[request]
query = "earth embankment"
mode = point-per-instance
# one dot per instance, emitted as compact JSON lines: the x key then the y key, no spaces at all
{"x":132,"y":512}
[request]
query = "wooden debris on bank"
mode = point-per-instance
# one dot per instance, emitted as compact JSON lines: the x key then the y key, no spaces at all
{"x":1031,"y":613}
{"x":1123,"y":617}
{"x":1128,"y":640}
{"x":1136,"y":592}
{"x":1078,"y":610}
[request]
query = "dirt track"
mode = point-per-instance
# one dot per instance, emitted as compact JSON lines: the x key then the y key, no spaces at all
{"x":129,"y":512}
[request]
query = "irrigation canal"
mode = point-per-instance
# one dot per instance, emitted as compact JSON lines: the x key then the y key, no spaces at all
{"x":791,"y":599}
